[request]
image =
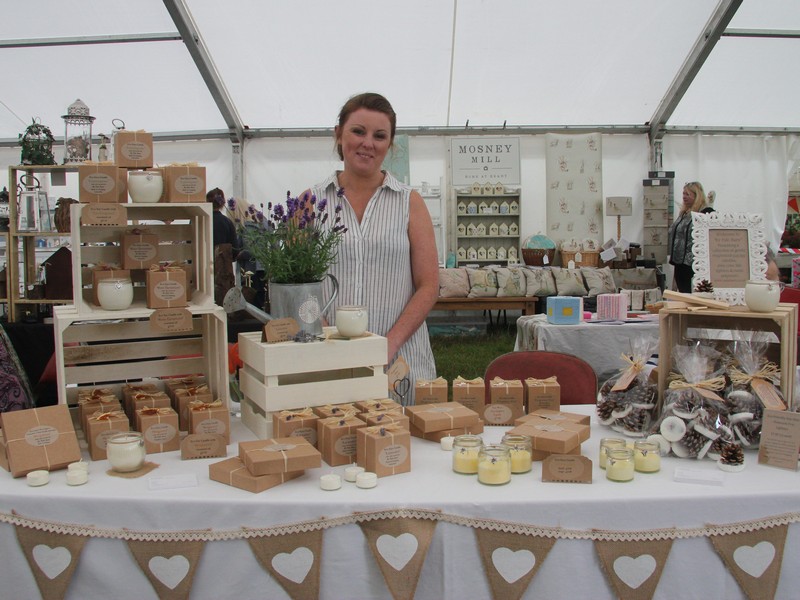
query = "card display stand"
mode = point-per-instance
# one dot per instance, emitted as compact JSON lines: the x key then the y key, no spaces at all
{"x":292,"y":376}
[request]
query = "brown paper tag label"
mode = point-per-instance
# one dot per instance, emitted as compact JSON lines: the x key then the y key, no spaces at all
{"x":708,"y":394}
{"x":767,"y":393}
{"x":203,"y":445}
{"x":397,"y":371}
{"x":567,"y":468}
{"x":104,"y":214}
{"x":780,"y":439}
{"x":280,"y":330}
{"x":171,"y":320}
{"x":625,"y":381}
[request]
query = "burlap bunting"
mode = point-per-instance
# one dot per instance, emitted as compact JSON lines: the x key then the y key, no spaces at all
{"x":293,"y":560}
{"x":169,"y":566}
{"x":633,"y":568}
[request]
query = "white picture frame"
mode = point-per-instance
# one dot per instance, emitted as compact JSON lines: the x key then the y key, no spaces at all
{"x":731,"y":248}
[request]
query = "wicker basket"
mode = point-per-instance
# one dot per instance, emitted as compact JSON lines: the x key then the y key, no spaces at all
{"x":535,"y":256}
{"x":589,"y":258}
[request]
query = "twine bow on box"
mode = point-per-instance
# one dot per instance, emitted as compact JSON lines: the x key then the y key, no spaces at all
{"x":288,"y":415}
{"x":461,"y":382}
{"x":532,"y":381}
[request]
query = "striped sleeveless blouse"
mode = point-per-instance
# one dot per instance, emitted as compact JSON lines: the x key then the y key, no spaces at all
{"x":373,"y":266}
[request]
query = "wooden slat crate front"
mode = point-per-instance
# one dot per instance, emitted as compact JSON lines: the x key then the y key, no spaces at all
{"x":680,"y":324}
{"x":290,"y":375}
{"x":95,"y":353}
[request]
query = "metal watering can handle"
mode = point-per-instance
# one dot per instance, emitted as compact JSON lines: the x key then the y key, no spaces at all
{"x":333,"y":296}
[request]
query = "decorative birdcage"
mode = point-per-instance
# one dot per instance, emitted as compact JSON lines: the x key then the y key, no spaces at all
{"x":37,"y":145}
{"x":78,"y":133}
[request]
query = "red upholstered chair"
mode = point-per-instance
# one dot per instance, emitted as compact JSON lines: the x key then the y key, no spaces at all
{"x":576,"y":377}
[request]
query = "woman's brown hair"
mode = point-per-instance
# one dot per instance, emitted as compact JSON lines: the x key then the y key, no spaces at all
{"x":370,"y":101}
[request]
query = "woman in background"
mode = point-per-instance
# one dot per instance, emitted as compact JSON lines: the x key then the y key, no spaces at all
{"x":680,"y":235}
{"x":225,"y":247}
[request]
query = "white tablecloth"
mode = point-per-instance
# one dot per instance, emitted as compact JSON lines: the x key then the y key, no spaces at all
{"x":452,"y":569}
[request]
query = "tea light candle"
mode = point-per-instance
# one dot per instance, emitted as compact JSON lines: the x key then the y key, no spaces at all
{"x":620,"y":465}
{"x":646,"y":456}
{"x":78,"y":466}
{"x":366,"y":480}
{"x":494,"y":465}
{"x":330,"y":482}
{"x":447,"y":442}
{"x":351,"y":473}
{"x":607,"y":444}
{"x":77,"y":476}
{"x":38,"y":478}
{"x":126,"y":451}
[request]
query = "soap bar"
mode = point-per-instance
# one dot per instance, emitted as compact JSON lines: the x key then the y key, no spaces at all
{"x":38,"y":478}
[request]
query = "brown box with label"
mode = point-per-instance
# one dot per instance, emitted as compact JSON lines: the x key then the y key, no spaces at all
{"x":296,"y":423}
{"x":506,"y":401}
{"x":279,"y":455}
{"x":159,"y":427}
{"x":555,"y":415}
{"x":543,"y":393}
{"x":556,"y":436}
{"x":39,"y":438}
{"x":100,"y":273}
{"x":436,"y":436}
{"x":129,"y":390}
{"x":166,"y":287}
{"x":433,"y":391}
{"x":470,"y":393}
{"x":102,"y":183}
{"x":438,"y":417}
{"x":384,"y":449}
{"x":181,"y":383}
{"x":133,"y":149}
{"x":232,"y":471}
{"x":87,"y":409}
{"x":184,"y":183}
{"x":385,"y":417}
{"x":377,"y":405}
{"x":210,"y":417}
{"x":337,"y":439}
{"x":142,"y":400}
{"x":184,"y":397}
{"x":139,"y":249}
{"x":102,"y":425}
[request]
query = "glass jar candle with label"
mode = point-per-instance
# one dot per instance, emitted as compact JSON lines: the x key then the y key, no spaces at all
{"x":646,"y":456}
{"x":521,"y":451}
{"x":494,"y":465}
{"x":607,"y":444}
{"x":126,"y":451}
{"x":465,"y":453}
{"x":619,"y":464}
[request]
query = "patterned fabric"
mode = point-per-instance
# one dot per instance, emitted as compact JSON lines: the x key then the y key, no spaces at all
{"x":599,"y":281}
{"x":540,"y":282}
{"x":453,"y":283}
{"x":639,"y":278}
{"x":510,"y":282}
{"x":482,"y":283}
{"x":15,"y":390}
{"x":569,"y":282}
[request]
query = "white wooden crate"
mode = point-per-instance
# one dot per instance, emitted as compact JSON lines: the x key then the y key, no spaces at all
{"x":290,"y":375}
{"x":92,"y":353}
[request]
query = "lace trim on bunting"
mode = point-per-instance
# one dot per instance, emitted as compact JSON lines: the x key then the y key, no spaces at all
{"x":400,"y":513}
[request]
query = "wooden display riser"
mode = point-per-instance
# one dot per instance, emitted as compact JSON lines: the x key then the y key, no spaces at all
{"x":291,"y":376}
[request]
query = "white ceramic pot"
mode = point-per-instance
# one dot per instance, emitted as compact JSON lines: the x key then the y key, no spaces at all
{"x":352,"y":321}
{"x":126,"y":451}
{"x":145,"y":186}
{"x":115,"y":294}
{"x":762,"y":296}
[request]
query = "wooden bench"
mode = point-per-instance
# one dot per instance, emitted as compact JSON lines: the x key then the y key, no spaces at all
{"x":527,"y":304}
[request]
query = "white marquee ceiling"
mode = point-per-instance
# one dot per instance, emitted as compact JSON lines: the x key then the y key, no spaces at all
{"x":442,"y":63}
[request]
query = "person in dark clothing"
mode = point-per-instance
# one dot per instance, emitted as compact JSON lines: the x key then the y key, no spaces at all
{"x":680,"y":235}
{"x":225,"y":246}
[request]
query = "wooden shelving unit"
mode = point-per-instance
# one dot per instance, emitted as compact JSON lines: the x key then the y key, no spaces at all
{"x":487,"y":228}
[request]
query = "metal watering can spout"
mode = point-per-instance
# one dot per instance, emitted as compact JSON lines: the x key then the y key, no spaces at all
{"x":234,"y":301}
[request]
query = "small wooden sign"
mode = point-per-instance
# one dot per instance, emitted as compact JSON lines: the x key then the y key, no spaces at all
{"x":104,"y":214}
{"x":567,"y":468}
{"x":280,"y":330}
{"x":780,"y":439}
{"x":203,"y":445}
{"x":171,"y":320}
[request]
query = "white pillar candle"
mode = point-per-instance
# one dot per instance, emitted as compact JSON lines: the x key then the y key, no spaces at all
{"x":77,"y":476}
{"x":366,"y":480}
{"x":352,"y":472}
{"x":78,"y":466}
{"x":330,"y":482}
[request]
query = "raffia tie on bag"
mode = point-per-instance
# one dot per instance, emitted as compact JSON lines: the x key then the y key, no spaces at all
{"x":706,"y":388}
{"x":769,"y":372}
{"x":628,"y":373}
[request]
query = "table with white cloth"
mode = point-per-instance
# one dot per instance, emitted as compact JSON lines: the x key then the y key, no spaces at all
{"x":600,"y":343}
{"x":452,"y":568}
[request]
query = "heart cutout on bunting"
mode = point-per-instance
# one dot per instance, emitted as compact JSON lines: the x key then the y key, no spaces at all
{"x":169,"y":571}
{"x":294,"y":566}
{"x":397,"y":551}
{"x":635,"y":571}
{"x":513,"y":565}
{"x":755,"y":560}
{"x":52,"y":561}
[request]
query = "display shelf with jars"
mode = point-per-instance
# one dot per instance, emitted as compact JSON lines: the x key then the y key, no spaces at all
{"x":486,"y":227}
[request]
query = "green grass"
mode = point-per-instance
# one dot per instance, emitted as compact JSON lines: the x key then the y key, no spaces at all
{"x":469,"y":355}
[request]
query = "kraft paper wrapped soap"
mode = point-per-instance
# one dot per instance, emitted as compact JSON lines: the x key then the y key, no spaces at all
{"x":159,"y":427}
{"x":430,"y":391}
{"x":337,"y":439}
{"x":39,"y":438}
{"x":296,"y":423}
{"x":444,"y":415}
{"x":210,"y":418}
{"x":279,"y":455}
{"x":139,"y":249}
{"x":384,"y":449}
{"x":506,"y":401}
{"x":232,"y":471}
{"x":543,"y":393}
{"x":166,"y":287}
{"x":102,"y":425}
{"x":470,"y":393}
{"x":184,"y":183}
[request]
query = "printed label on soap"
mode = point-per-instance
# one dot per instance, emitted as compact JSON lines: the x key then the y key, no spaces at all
{"x":41,"y":435}
{"x":210,"y":426}
{"x":393,"y":456}
{"x":197,"y":445}
{"x":309,"y":433}
{"x":346,"y":445}
{"x":142,"y":251}
{"x":102,"y":438}
{"x":497,"y":413}
{"x":189,"y":184}
{"x":169,"y":290}
{"x":135,"y":150}
{"x":160,"y":433}
{"x":98,"y":183}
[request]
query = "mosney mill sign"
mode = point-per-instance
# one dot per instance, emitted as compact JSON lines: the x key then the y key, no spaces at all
{"x":485,"y":160}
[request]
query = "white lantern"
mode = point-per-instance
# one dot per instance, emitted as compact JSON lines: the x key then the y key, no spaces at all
{"x":78,"y":133}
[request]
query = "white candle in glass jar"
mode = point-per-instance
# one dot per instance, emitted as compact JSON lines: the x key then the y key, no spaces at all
{"x":619,"y":464}
{"x":352,"y":321}
{"x":115,"y":294}
{"x":145,"y":186}
{"x":607,"y":444}
{"x":646,"y":456}
{"x":494,"y":465}
{"x":465,"y":453}
{"x":126,"y":451}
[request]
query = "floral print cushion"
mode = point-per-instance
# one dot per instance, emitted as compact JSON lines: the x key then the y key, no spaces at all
{"x":453,"y":283}
{"x":599,"y":281}
{"x":482,"y":283}
{"x":569,"y":282}
{"x":510,"y":281}
{"x":539,"y":282}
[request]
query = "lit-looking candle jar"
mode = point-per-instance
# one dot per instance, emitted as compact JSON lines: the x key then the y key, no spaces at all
{"x":646,"y":456}
{"x":520,"y":450}
{"x":465,"y":453}
{"x":494,"y":465}
{"x":619,"y":465}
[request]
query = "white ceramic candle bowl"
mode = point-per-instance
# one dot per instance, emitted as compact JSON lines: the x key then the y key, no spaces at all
{"x":352,"y":321}
{"x":762,"y":296}
{"x":145,"y":186}
{"x":126,"y":451}
{"x":115,"y":294}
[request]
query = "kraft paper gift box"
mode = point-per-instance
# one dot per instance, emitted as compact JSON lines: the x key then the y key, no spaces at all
{"x":184,"y":396}
{"x":430,"y":391}
{"x":279,"y":455}
{"x":335,"y":410}
{"x":232,"y":471}
{"x":210,"y":417}
{"x":441,"y":416}
{"x":103,"y":183}
{"x":384,"y":449}
{"x":506,"y":401}
{"x":102,"y":425}
{"x":87,"y":408}
{"x":385,"y":417}
{"x":470,"y":393}
{"x":39,"y":438}
{"x":181,"y":383}
{"x":436,"y":436}
{"x":141,"y":400}
{"x":159,"y":427}
{"x":101,"y":272}
{"x":95,"y":396}
{"x":543,"y":393}
{"x":550,"y":435}
{"x":564,"y":310}
{"x":133,"y":149}
{"x":139,"y":249}
{"x":377,"y":405}
{"x":296,"y":423}
{"x":555,"y":415}
{"x":184,"y":183}
{"x":130,"y":389}
{"x":337,"y":439}
{"x":612,"y":307}
{"x":166,"y":287}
